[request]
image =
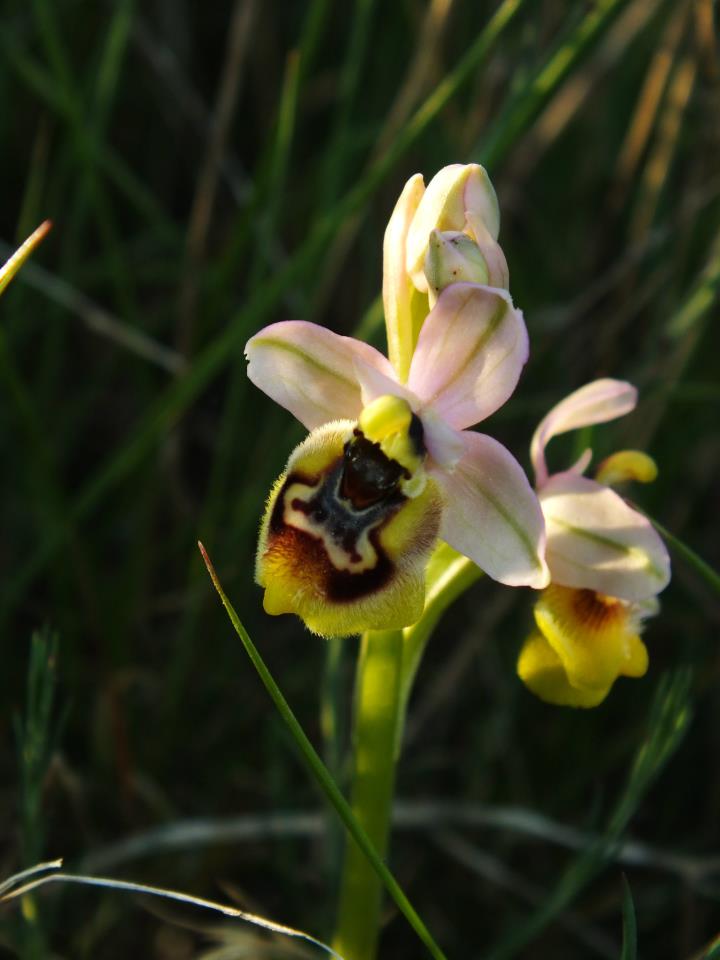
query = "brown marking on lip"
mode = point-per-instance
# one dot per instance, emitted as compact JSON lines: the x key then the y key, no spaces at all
{"x":277,"y":523}
{"x":319,"y":507}
{"x":596,"y":610}
{"x":309,"y":563}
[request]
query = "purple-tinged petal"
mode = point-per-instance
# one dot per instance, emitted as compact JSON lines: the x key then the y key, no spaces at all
{"x":596,"y":402}
{"x":444,"y":443}
{"x":492,"y":514}
{"x":470,"y":353}
{"x":376,"y":381}
{"x":582,"y":462}
{"x":310,"y":370}
{"x":597,"y":542}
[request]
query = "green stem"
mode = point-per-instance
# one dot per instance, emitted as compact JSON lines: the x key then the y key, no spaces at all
{"x":377,"y":709}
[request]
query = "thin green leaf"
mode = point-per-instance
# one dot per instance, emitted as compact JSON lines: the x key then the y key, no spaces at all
{"x":525,"y":107}
{"x":708,"y":574}
{"x":629,"y":947}
{"x":713,"y":951}
{"x":322,"y":775}
{"x":668,"y":721}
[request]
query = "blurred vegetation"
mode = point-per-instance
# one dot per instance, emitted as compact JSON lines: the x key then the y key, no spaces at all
{"x":210,"y":169}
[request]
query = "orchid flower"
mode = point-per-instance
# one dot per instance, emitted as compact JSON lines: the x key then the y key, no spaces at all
{"x":351,"y":523}
{"x":607,"y":562}
{"x":389,"y":464}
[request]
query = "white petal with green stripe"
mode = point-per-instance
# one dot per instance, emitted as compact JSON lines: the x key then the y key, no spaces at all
{"x":470,"y":353}
{"x":596,"y":541}
{"x":492,"y":514}
{"x":310,"y":370}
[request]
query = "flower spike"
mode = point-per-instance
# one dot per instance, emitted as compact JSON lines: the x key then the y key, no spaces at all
{"x":350,"y":525}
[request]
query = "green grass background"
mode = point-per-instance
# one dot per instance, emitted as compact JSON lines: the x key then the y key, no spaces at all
{"x":210,"y":168}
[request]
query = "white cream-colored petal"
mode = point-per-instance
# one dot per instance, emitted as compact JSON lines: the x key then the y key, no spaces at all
{"x":596,"y":541}
{"x":492,"y":515}
{"x":310,"y":370}
{"x":451,"y":193}
{"x":470,"y":353}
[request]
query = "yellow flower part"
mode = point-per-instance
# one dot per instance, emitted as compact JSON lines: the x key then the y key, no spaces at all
{"x":390,"y":423}
{"x":350,"y":525}
{"x":584,"y":642}
{"x":627,"y":465}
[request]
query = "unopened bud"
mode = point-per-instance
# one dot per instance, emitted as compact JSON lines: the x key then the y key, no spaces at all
{"x":452,"y":257}
{"x":453,"y":197}
{"x":400,"y":298}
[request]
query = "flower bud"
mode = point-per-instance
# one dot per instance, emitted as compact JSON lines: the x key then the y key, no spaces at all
{"x":452,"y":257}
{"x":455,"y":196}
{"x":404,"y":310}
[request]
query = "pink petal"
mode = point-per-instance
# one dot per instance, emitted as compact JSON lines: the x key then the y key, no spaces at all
{"x":498,"y":273}
{"x":596,"y":541}
{"x":596,"y":402}
{"x":492,"y":514}
{"x":470,"y":353}
{"x":310,"y":370}
{"x":444,"y":443}
{"x":378,"y":381}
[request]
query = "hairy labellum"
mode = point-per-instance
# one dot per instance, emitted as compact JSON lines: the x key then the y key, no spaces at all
{"x":341,"y":544}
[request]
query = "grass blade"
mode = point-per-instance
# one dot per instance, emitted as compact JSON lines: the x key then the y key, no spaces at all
{"x":629,"y":948}
{"x":11,"y":267}
{"x":322,"y":775}
{"x":128,"y":886}
{"x":669,"y":719}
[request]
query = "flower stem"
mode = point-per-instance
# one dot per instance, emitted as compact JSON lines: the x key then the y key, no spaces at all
{"x":376,"y":722}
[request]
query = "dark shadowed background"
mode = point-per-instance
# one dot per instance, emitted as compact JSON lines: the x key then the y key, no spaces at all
{"x":210,"y":168}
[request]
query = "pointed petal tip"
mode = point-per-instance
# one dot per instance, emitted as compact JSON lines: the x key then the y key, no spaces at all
{"x":310,"y":370}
